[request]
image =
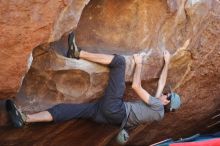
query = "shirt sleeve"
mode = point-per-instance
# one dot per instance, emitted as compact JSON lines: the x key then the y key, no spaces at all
{"x":155,"y":103}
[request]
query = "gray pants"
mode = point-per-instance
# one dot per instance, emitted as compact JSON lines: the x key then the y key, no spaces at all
{"x":109,"y":109}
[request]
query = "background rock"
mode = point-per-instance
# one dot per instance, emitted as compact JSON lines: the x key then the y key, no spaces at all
{"x":23,"y":26}
{"x":189,"y":29}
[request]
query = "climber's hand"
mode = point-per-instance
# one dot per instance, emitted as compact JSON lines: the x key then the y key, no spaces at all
{"x":167,"y":56}
{"x":137,"y":58}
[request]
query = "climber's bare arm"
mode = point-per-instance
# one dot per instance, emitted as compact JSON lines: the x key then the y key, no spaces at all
{"x":163,"y":75}
{"x":136,"y":84}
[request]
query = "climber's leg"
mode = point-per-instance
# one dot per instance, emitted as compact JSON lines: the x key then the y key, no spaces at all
{"x":96,"y":57}
{"x":63,"y":112}
{"x":43,"y":116}
{"x":112,"y":104}
{"x":76,"y":52}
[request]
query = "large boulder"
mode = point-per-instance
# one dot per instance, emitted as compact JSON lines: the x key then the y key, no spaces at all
{"x":189,"y":29}
{"x":23,"y":26}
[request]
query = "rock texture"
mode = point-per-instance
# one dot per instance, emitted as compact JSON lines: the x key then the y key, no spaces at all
{"x":25,"y":25}
{"x":189,"y":29}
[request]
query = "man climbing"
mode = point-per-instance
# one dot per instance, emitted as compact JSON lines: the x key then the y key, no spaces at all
{"x":110,"y":108}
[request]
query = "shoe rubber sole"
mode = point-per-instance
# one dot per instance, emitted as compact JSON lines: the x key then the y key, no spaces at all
{"x":73,"y":51}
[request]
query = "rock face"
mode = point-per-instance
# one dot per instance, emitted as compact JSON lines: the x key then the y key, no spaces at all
{"x":189,"y":29}
{"x":25,"y":25}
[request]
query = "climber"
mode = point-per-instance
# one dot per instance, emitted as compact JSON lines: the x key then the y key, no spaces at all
{"x":110,"y":108}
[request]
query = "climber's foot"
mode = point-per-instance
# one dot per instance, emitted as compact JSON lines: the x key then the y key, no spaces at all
{"x":17,"y":117}
{"x":73,"y":51}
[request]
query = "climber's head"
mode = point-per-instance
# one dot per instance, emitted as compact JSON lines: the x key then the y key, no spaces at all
{"x":174,"y":102}
{"x":171,"y":101}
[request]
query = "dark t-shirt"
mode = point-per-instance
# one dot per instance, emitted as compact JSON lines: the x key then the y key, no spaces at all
{"x":141,"y":112}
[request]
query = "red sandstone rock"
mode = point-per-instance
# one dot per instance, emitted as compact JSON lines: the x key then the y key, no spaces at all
{"x":61,"y":79}
{"x":189,"y":29}
{"x":25,"y":25}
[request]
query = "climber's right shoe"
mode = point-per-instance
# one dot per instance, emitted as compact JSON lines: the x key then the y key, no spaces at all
{"x":17,"y":117}
{"x":73,"y":51}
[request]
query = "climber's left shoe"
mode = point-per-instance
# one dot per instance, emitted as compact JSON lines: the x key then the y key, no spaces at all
{"x":17,"y":117}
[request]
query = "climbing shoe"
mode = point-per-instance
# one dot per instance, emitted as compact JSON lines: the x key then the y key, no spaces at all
{"x":17,"y":117}
{"x":73,"y":51}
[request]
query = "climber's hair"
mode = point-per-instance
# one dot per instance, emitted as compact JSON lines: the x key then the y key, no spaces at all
{"x":167,"y":108}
